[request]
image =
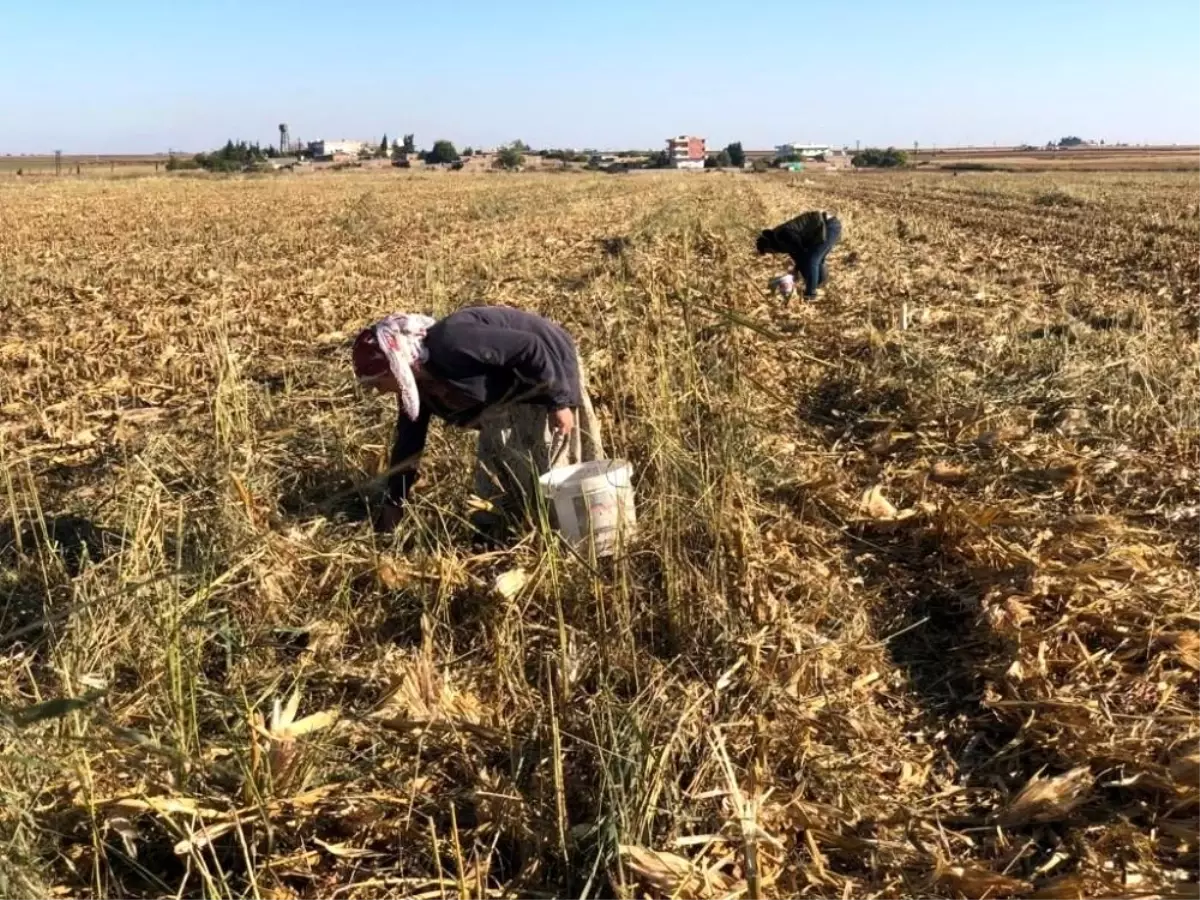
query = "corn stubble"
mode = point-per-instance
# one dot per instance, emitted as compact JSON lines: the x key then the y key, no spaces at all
{"x":912,"y":610}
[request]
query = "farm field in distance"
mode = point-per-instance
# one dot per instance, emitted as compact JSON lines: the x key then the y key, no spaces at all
{"x":912,"y":610}
{"x":86,"y":164}
{"x":1116,"y":158}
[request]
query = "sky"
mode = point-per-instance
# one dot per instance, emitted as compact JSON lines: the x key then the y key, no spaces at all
{"x":134,"y":76}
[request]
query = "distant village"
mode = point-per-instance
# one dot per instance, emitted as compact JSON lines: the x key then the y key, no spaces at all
{"x":685,"y":152}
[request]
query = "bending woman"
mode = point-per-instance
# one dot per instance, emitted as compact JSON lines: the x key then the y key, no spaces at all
{"x":511,"y":375}
{"x":807,"y":239}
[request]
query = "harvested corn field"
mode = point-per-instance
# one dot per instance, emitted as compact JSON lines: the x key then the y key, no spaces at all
{"x":912,"y":610}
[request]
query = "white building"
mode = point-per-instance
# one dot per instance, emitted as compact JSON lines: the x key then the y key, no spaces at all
{"x":804,"y":151}
{"x":328,"y":149}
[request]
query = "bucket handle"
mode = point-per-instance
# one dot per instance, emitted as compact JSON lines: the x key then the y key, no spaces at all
{"x":558,"y":445}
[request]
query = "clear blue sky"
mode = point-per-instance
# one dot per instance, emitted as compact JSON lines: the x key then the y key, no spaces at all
{"x":107,"y":76}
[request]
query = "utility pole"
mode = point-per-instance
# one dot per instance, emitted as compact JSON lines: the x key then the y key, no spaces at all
{"x":57,"y":162}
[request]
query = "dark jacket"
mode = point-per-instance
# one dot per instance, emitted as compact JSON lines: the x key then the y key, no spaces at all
{"x":485,"y":356}
{"x":796,"y":236}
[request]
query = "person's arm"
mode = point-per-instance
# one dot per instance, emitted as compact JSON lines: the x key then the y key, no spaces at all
{"x":403,"y":472}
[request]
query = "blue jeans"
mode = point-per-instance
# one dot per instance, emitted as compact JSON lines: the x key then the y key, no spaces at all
{"x":811,"y":265}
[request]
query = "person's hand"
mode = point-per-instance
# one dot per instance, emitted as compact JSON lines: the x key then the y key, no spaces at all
{"x":564,"y":420}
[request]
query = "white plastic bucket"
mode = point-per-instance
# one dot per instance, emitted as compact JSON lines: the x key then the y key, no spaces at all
{"x":593,"y":502}
{"x":784,"y":284}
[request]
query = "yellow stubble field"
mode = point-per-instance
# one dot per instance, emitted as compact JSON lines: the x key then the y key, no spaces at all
{"x":911,"y":611}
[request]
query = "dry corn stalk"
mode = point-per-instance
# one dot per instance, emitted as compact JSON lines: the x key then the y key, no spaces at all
{"x":978,"y":882}
{"x":664,"y":874}
{"x":948,"y":473}
{"x":1186,"y":770}
{"x":1048,"y":799}
{"x":287,"y":766}
{"x":1076,"y":887}
{"x":877,"y":506}
{"x":420,"y":693}
{"x":1183,"y":645}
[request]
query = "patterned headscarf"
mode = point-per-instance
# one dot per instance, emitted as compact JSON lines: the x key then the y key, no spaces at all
{"x":392,"y":345}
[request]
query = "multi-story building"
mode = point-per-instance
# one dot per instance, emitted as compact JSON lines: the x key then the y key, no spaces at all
{"x":686,"y":152}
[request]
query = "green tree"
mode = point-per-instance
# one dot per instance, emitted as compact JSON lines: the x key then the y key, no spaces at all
{"x":510,"y":157}
{"x":520,"y":146}
{"x":410,"y":144}
{"x":737,"y":156}
{"x":383,"y":146}
{"x":568,"y":155}
{"x":874,"y":158}
{"x":1070,"y":141}
{"x":233,"y":157}
{"x":468,"y":151}
{"x":443,"y":152}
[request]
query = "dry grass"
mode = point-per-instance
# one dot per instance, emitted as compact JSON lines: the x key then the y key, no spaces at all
{"x":913,"y":612}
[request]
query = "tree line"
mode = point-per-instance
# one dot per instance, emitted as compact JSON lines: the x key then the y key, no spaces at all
{"x":240,"y":155}
{"x":233,"y":157}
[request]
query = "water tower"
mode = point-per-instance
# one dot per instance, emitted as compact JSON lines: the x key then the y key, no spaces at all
{"x":284,"y":143}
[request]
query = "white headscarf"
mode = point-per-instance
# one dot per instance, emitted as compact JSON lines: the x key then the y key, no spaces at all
{"x":402,"y":339}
